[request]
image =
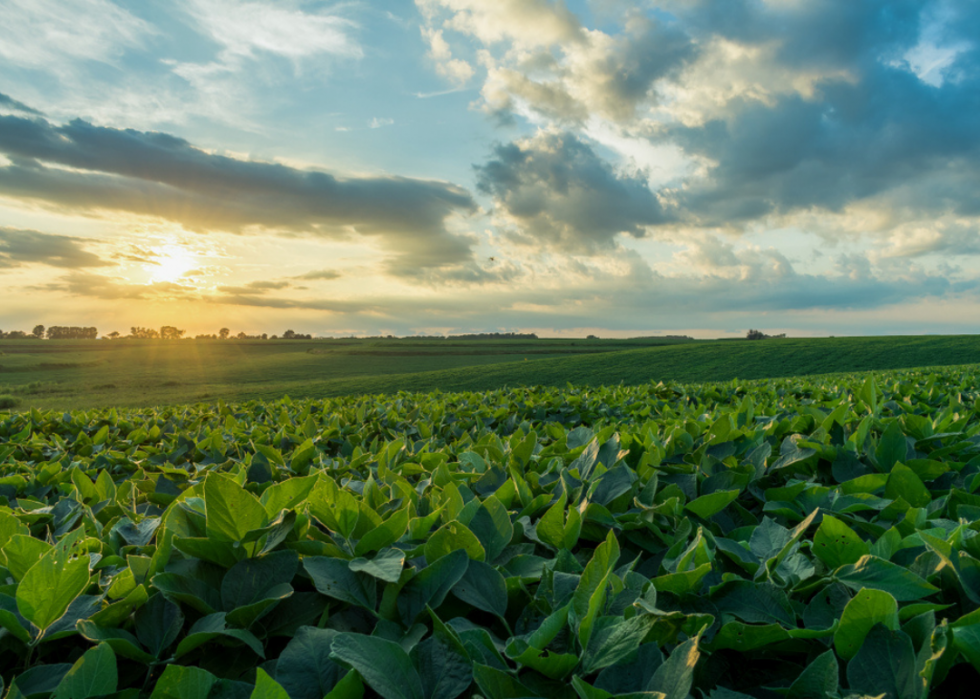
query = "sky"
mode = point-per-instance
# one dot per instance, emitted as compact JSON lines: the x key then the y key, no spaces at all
{"x":605,"y":167}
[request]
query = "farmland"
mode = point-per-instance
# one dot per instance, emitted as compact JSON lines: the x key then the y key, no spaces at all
{"x":88,"y":374}
{"x":798,"y":537}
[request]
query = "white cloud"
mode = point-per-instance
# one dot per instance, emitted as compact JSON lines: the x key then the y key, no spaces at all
{"x":49,"y":33}
{"x":250,"y":28}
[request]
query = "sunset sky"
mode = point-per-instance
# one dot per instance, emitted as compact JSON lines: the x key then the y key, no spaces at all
{"x":590,"y":166}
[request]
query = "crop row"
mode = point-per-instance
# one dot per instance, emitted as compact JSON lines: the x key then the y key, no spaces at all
{"x":807,"y":538}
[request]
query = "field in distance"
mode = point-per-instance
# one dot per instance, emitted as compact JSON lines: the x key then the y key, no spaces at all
{"x":98,"y":373}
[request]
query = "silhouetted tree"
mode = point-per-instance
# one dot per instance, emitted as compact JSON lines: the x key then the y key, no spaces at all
{"x":139,"y":333}
{"x":60,"y":332}
{"x":38,"y":331}
{"x":114,"y":335}
{"x":169,"y":332}
{"x":223,"y":333}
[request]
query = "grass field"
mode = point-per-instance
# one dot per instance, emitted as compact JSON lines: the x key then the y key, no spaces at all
{"x":85,"y":374}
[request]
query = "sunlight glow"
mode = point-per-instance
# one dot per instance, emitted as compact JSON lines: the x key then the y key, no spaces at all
{"x":172,"y":263}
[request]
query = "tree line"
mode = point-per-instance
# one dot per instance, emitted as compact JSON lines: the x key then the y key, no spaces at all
{"x":166,"y":332}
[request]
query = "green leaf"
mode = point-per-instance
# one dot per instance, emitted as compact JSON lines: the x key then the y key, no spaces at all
{"x":819,"y":680}
{"x":496,"y":684}
{"x":305,"y":669}
{"x":387,"y":565}
{"x":885,"y":664}
{"x":967,"y":641}
{"x":681,"y":583}
{"x":430,"y":586}
{"x":92,"y":675}
{"x":550,"y":528}
{"x":445,"y":673}
{"x":53,"y":583}
{"x":183,"y":682}
{"x":614,"y":640}
{"x":492,"y":526}
{"x":590,"y":594}
{"x":450,"y":537}
{"x":863,"y":611}
{"x":122,"y":642}
{"x":211,"y":627}
{"x":266,"y":687}
{"x":334,"y":578}
{"x":675,"y":677}
{"x":836,"y":544}
{"x":879,"y":574}
{"x":385,"y":667}
{"x":754,"y":603}
{"x":286,"y":495}
{"x":158,"y":622}
{"x":483,"y":587}
{"x":349,"y":687}
{"x":709,"y":505}
{"x":892,"y":447}
{"x":254,"y":585}
{"x":390,"y":531}
{"x":231,"y":511}
{"x":903,"y":483}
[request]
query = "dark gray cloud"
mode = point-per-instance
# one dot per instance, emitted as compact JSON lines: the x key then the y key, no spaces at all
{"x":161,"y":175}
{"x":8,"y":102}
{"x":19,"y":247}
{"x":560,"y":193}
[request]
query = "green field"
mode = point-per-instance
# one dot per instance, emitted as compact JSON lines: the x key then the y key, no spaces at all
{"x":85,"y":374}
{"x":798,"y":538}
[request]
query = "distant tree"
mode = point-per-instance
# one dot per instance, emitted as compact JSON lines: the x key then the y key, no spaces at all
{"x":114,"y":335}
{"x":755,"y":335}
{"x":264,"y":336}
{"x":169,"y":332}
{"x":223,"y":333}
{"x":242,"y":336}
{"x":60,"y":332}
{"x":288,"y":335}
{"x":139,"y":333}
{"x":38,"y":331}
{"x":16,"y":335}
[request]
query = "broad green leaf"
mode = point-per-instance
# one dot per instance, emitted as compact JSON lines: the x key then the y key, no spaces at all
{"x":453,"y":536}
{"x":709,"y":505}
{"x":819,"y":680}
{"x":349,"y":687}
{"x":158,"y":622}
{"x":53,"y":583}
{"x":212,"y":627}
{"x":430,"y":586}
{"x":492,"y":526}
{"x":445,"y":673}
{"x":334,"y":578}
{"x":590,"y":594}
{"x":390,"y":531}
{"x":231,"y":510}
{"x":122,"y":642}
{"x":254,"y":585}
{"x":884,"y":664}
{"x":879,"y":574}
{"x":183,"y":682}
{"x":305,"y":669}
{"x":287,"y":494}
{"x":551,"y":527}
{"x":682,"y":583}
{"x":387,"y":565}
{"x":967,"y":641}
{"x":385,"y":667}
{"x":22,"y":551}
{"x":836,"y":544}
{"x":903,"y":483}
{"x":92,"y":675}
{"x":614,"y":640}
{"x":496,"y":684}
{"x":483,"y":587}
{"x":267,"y":688}
{"x":892,"y":447}
{"x":866,"y":608}
{"x":754,"y":603}
{"x":675,"y":677}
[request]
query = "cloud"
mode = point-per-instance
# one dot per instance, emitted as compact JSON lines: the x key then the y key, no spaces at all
{"x":51,"y":34}
{"x":320,"y":275}
{"x":248,"y":28}
{"x":528,"y":23}
{"x":85,"y":168}
{"x":558,"y":192}
{"x":19,"y":247}
{"x":7,"y":102}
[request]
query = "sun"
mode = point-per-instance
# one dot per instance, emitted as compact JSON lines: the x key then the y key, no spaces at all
{"x":173,"y":263}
